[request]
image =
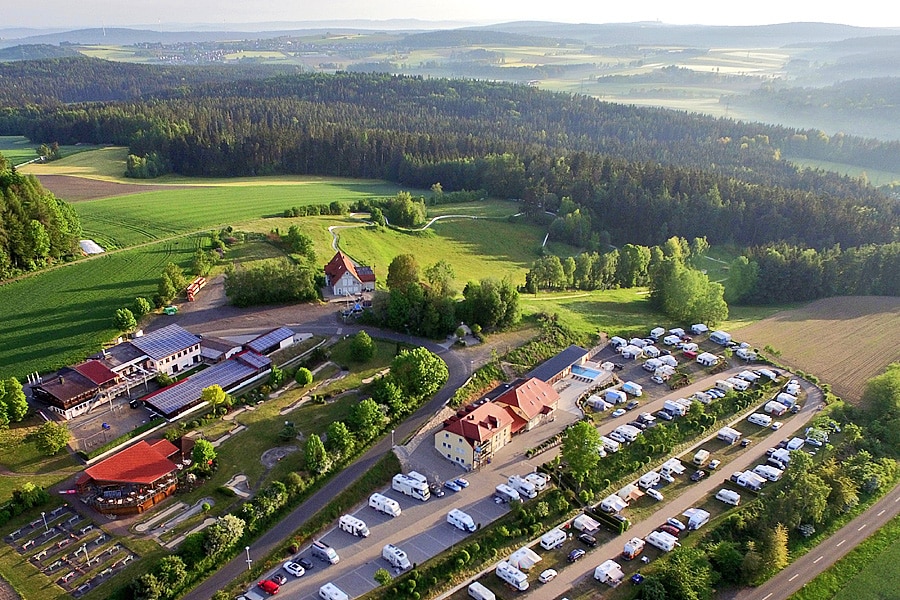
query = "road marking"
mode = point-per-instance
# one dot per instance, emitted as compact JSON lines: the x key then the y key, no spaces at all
{"x":814,"y":562}
{"x":882,"y":512}
{"x":795,"y":576}
{"x":863,"y":526}
{"x":840,"y":542}
{"x":897,"y":500}
{"x":767,"y":596}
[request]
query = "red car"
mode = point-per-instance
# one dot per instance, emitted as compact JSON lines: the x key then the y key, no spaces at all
{"x":268,"y":586}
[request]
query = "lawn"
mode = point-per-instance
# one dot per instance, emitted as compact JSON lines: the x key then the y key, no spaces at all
{"x":17,"y":149}
{"x":26,"y":462}
{"x":624,"y":312}
{"x":56,"y":318}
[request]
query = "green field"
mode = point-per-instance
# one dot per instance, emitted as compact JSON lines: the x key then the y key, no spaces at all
{"x":17,"y":149}
{"x":57,"y":317}
{"x":876,"y":178}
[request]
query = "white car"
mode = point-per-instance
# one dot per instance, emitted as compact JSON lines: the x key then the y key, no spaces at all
{"x":675,"y":523}
{"x":714,"y":464}
{"x":665,"y":476}
{"x":776,"y":425}
{"x":294,"y":569}
{"x":655,"y":494}
{"x":618,"y":412}
{"x":547,"y":576}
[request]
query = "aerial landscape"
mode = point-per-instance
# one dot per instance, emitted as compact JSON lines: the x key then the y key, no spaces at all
{"x":399,"y":301}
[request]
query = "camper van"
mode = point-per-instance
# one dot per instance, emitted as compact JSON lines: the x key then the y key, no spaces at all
{"x":609,"y":445}
{"x":662,"y":540}
{"x":760,"y":419}
{"x":479,"y":592}
{"x":553,"y":539}
{"x":648,"y":480}
{"x":740,"y":385}
{"x":411,"y":486}
{"x":506,"y":493}
{"x":325,"y":553}
{"x":461,"y":520}
{"x":633,"y":547}
{"x":388,"y":506}
{"x":353,"y":526}
{"x":728,"y":496}
{"x":674,"y":408}
{"x":538,"y":481}
{"x":728,"y":435}
{"x":512,"y":575}
{"x":329,"y":591}
{"x":701,"y":457}
{"x":525,"y":489}
{"x":395,"y":556}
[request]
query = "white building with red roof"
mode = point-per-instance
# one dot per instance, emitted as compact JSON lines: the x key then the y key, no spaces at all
{"x":347,"y":278}
{"x":529,"y":402}
{"x":474,"y":434}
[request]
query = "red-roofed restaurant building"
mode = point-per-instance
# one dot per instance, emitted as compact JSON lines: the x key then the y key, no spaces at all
{"x":529,"y":402}
{"x":132,"y":480}
{"x":474,"y":434}
{"x":346,"y":278}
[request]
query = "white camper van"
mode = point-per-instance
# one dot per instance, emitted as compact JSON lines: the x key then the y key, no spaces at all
{"x":609,"y":445}
{"x":728,"y":496}
{"x":525,"y":489}
{"x":554,"y":538}
{"x":329,"y":591}
{"x":395,"y":556}
{"x":411,"y":486}
{"x":760,"y":419}
{"x":537,"y":480}
{"x":388,"y":506}
{"x":506,"y":493}
{"x":353,"y":526}
{"x":648,"y":480}
{"x":325,"y":553}
{"x":480,"y":592}
{"x":461,"y":520}
{"x":512,"y":575}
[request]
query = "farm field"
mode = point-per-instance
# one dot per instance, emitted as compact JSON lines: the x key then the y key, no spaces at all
{"x":55,"y":318}
{"x":876,"y":178}
{"x":845,"y":341}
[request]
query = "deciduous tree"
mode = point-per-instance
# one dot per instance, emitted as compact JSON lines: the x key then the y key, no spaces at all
{"x":51,"y":437}
{"x":316,"y":456}
{"x":124,"y":320}
{"x":402,"y":271}
{"x":362,"y":348}
{"x":580,"y":445}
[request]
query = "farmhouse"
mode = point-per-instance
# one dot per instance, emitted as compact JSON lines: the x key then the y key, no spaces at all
{"x":528,"y":402}
{"x":75,"y":389}
{"x":560,"y":366}
{"x":472,"y":436}
{"x":346,"y":278}
{"x":133,"y":480}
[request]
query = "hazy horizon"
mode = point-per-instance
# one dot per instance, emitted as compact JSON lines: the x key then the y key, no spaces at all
{"x":170,"y":14}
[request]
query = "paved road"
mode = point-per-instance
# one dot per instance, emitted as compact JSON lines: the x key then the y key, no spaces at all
{"x":814,"y":562}
{"x":459,"y":372}
{"x":695,"y":495}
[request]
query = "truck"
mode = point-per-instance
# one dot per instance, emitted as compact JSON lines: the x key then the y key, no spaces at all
{"x":506,"y":493}
{"x":554,"y":538}
{"x":512,"y":575}
{"x":461,"y":520}
{"x":194,"y":288}
{"x":479,"y":592}
{"x":388,"y":506}
{"x":410,"y":486}
{"x":353,"y":526}
{"x":673,"y":408}
{"x":525,"y":489}
{"x":538,"y":481}
{"x":728,"y":435}
{"x":616,"y":397}
{"x":648,"y":480}
{"x":633,"y":548}
{"x":397,"y":557}
{"x":325,"y":553}
{"x":662,"y":540}
{"x":329,"y":591}
{"x":630,"y":387}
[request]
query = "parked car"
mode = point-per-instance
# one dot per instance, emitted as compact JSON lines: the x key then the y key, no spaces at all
{"x":618,"y":412}
{"x":637,"y":579}
{"x":770,"y":451}
{"x":436,"y":490}
{"x":671,"y":530}
{"x":655,"y":494}
{"x":714,"y":464}
{"x":632,"y":405}
{"x":666,"y":476}
{"x":618,"y":366}
{"x":463,"y":483}
{"x":305,"y":563}
{"x":268,"y":586}
{"x":659,"y":379}
{"x":664,"y":415}
{"x":547,"y":576}
{"x":698,"y":475}
{"x":588,"y":539}
{"x":294,"y":569}
{"x":638,"y":425}
{"x":676,"y":523}
{"x":279,"y":579}
{"x":575,"y":554}
{"x":746,"y":442}
{"x":776,"y":425}
{"x":452,"y":485}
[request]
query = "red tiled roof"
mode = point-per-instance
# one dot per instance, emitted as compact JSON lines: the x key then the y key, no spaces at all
{"x":482,"y":423}
{"x":531,"y":397}
{"x":140,"y":463}
{"x":164,"y":447}
{"x":96,"y":372}
{"x":341,"y":264}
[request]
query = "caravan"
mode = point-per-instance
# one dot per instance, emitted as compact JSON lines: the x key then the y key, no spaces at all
{"x":525,"y":489}
{"x":741,"y":385}
{"x":329,"y":591}
{"x":728,"y":497}
{"x":554,"y":538}
{"x":760,"y":419}
{"x":461,"y":520}
{"x":388,"y":506}
{"x":512,"y":575}
{"x":479,"y":592}
{"x":648,"y":480}
{"x":611,"y":446}
{"x":353,"y":526}
{"x":720,"y":337}
{"x":728,"y":435}
{"x":662,"y":540}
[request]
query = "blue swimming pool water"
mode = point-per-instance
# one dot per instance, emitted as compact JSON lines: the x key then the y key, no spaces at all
{"x":585,"y":372}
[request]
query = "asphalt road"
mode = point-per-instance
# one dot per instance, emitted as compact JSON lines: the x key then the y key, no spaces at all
{"x":459,"y":372}
{"x":814,"y":562}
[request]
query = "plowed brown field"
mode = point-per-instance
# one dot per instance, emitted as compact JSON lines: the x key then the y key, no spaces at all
{"x":843,"y":341}
{"x":75,"y":189}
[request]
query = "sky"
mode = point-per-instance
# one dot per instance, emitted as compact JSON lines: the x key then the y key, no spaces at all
{"x":118,"y":13}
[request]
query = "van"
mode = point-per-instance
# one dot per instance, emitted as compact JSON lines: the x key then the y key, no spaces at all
{"x":329,"y":591}
{"x":609,"y":445}
{"x":728,"y":497}
{"x":506,"y":493}
{"x":724,"y":386}
{"x":553,"y":539}
{"x":353,"y":526}
{"x":480,"y":592}
{"x":701,"y":457}
{"x":461,"y":520}
{"x":395,"y":556}
{"x":325,"y":553}
{"x":388,"y":506}
{"x":760,"y":419}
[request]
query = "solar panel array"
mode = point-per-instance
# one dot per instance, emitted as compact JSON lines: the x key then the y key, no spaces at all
{"x":165,"y":342}
{"x":171,"y":400}
{"x":267,"y":340}
{"x":257,"y":361}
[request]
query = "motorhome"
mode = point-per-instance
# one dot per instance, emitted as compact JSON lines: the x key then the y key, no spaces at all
{"x":629,"y":432}
{"x":729,"y":435}
{"x":388,"y":506}
{"x":728,"y":496}
{"x":699,"y":329}
{"x":649,"y":479}
{"x":506,"y":493}
{"x":411,"y":486}
{"x":725,"y":386}
{"x":611,"y":446}
{"x":538,"y":481}
{"x":707,"y":359}
{"x":770,"y":473}
{"x":662,"y":540}
{"x":395,"y":556}
{"x":632,"y":388}
{"x":479,"y":592}
{"x":775,"y":408}
{"x":631,"y":352}
{"x":701,"y":457}
{"x":461,"y":520}
{"x":554,"y":538}
{"x":525,"y":489}
{"x":329,"y":591}
{"x":760,"y":419}
{"x":720,"y":337}
{"x":325,"y":553}
{"x":697,"y":518}
{"x":741,"y":385}
{"x":652,"y":365}
{"x":353,"y":526}
{"x":674,"y":408}
{"x":657,"y":332}
{"x":616,"y":342}
{"x":633,"y":547}
{"x":749,"y":480}
{"x":512,"y":575}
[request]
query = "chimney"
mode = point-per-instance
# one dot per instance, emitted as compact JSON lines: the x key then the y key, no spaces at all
{"x":61,"y":380}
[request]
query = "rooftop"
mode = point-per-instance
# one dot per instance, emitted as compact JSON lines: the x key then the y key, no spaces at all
{"x":532,"y":397}
{"x":141,"y":463}
{"x":96,"y":371}
{"x":341,"y":263}
{"x":481,"y":423}
{"x":552,"y":367}
{"x":272,"y":338}
{"x":165,"y":342}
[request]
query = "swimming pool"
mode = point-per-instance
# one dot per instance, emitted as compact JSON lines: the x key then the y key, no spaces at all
{"x":585,"y":372}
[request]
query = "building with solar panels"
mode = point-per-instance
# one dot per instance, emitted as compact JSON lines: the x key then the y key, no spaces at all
{"x":169,"y":350}
{"x":271,"y":341}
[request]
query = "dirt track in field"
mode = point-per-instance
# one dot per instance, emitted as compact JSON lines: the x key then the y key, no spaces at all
{"x":843,"y":341}
{"x":76,"y":189}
